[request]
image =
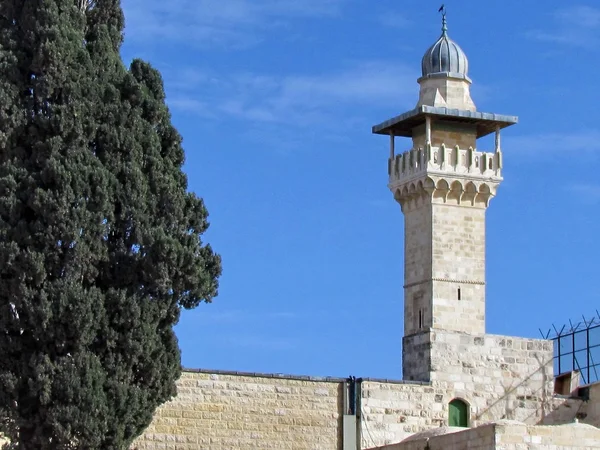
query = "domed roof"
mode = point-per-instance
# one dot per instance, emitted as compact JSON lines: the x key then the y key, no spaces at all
{"x":445,"y":56}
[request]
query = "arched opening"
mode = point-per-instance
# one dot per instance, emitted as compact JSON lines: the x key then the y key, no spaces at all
{"x":458,"y":413}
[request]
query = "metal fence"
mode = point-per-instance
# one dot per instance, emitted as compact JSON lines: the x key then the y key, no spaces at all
{"x":577,"y":348}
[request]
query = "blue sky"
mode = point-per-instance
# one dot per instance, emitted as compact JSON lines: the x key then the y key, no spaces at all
{"x":275,"y":100}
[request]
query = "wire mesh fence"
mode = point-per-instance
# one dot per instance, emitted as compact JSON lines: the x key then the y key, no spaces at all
{"x":577,"y":348}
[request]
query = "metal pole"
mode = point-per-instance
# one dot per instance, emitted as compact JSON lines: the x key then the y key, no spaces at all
{"x":558,"y":342}
{"x":573,"y":350}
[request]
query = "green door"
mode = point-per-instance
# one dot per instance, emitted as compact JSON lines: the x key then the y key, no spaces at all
{"x":458,"y":414}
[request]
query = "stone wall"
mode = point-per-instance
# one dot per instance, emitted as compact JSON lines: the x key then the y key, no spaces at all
{"x":559,"y":437}
{"x":564,"y":410}
{"x":417,"y":268}
{"x":392,"y":411}
{"x":458,"y":267}
{"x":445,"y":92}
{"x":481,"y":438}
{"x":221,"y":411}
{"x":444,"y":269}
{"x":507,"y":435}
{"x":568,"y":409}
{"x":591,"y":408}
{"x":499,"y":377}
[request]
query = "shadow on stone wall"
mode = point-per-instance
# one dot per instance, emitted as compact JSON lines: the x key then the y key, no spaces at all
{"x":546,"y":408}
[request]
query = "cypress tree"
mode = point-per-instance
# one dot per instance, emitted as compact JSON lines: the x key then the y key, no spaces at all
{"x":100,"y":242}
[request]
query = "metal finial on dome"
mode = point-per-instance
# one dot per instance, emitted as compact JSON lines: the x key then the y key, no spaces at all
{"x":444,"y":25}
{"x":445,"y":56}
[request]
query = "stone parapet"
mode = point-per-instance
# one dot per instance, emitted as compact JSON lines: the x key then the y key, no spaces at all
{"x":506,"y":435}
{"x":227,"y":411}
{"x":434,"y":171}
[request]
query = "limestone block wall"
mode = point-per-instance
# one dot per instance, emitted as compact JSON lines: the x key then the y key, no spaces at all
{"x":458,"y":268}
{"x":392,"y":411}
{"x":566,"y":410}
{"x":502,"y":377}
{"x":499,"y":377}
{"x":451,"y":137}
{"x":446,"y":92}
{"x":559,"y":437}
{"x":230,"y":410}
{"x":462,"y":135}
{"x":591,"y":408}
{"x":416,"y":357}
{"x":481,"y":438}
{"x":444,"y":272}
{"x":509,"y":435}
{"x":221,"y":411}
{"x":417,"y":269}
{"x":563,"y":410}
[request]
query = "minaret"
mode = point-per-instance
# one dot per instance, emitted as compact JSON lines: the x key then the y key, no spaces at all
{"x":444,"y":185}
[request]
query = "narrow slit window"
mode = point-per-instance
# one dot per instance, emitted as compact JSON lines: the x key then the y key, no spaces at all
{"x":459,"y":293}
{"x":420,"y":319}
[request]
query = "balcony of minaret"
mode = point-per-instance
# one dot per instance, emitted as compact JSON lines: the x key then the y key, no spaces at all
{"x":448,"y":175}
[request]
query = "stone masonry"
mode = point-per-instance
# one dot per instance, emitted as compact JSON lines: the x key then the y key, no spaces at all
{"x":224,"y":411}
{"x":219,"y":410}
{"x":499,"y":377}
{"x":506,"y":435}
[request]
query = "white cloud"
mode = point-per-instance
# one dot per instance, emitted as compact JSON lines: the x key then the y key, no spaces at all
{"x":580,"y":16}
{"x":577,"y":26}
{"x":210,"y":23}
{"x":301,"y":101}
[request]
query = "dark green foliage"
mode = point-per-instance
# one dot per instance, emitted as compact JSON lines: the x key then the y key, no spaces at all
{"x":99,"y":239}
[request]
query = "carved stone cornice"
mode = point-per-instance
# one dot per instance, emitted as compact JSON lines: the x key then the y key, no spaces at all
{"x":445,"y":176}
{"x":444,"y":190}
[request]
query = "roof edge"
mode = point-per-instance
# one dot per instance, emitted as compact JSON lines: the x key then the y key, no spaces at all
{"x":406,"y":121}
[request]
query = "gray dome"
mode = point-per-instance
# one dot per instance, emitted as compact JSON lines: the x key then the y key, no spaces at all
{"x":445,"y":56}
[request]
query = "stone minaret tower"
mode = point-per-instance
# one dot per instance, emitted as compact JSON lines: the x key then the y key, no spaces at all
{"x":444,"y":185}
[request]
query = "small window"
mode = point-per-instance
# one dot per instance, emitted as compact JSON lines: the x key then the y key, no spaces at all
{"x":459,"y":293}
{"x":420,"y":319}
{"x":458,"y":413}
